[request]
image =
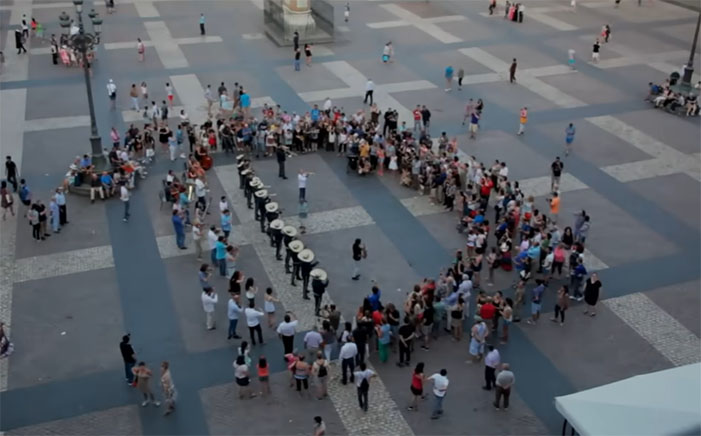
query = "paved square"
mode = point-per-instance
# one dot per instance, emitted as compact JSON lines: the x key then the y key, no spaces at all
{"x":67,"y":300}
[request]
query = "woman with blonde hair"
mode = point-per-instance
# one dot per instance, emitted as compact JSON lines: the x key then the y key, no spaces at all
{"x":169,"y":392}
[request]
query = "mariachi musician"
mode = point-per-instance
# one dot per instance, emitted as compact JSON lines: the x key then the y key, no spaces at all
{"x":306,"y":264}
{"x":275,"y":229}
{"x":251,"y":184}
{"x":272,"y":212}
{"x":242,"y":164}
{"x":320,"y":281}
{"x":261,"y":198}
{"x":288,"y":235}
{"x":295,"y":247}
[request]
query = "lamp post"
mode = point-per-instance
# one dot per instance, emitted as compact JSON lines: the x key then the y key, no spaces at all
{"x":84,"y":42}
{"x":689,"y":67}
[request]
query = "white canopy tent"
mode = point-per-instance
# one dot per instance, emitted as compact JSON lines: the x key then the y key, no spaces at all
{"x":661,"y":403}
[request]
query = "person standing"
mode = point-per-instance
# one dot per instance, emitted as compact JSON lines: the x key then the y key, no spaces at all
{"x":281,"y":155}
{"x":25,"y":196}
{"x":19,"y":42}
{"x":512,"y":71}
{"x":233,"y":312}
{"x":362,"y":383}
{"x":134,"y":94}
{"x":202,"y":32}
{"x":426,"y":118}
{"x":440,"y":388}
{"x":54,"y":50}
{"x":62,"y":209}
{"x":297,"y":62}
{"x":461,"y":76}
{"x":474,"y":124}
{"x":569,"y":138}
{"x":287,"y":330}
{"x":308,"y":54}
{"x":369,"y":90}
{"x":406,"y":335}
{"x":523,"y":119}
{"x":143,"y":383}
{"x":54,"y":215}
{"x":253,"y":317}
{"x":448,"y":78}
{"x":417,"y":120}
{"x":555,"y":173}
{"x":571,"y":60}
{"x":347,"y":357}
{"x":129,"y":358}
{"x":491,"y":363}
{"x":312,"y":342}
{"x":536,"y":300}
{"x":112,"y":93}
{"x":563,"y":302}
{"x":384,"y":335}
{"x":346,"y":12}
{"x":302,"y":184}
{"x":197,"y":238}
{"x":169,"y":392}
{"x":295,"y":40}
{"x":359,"y":253}
{"x":554,"y":207}
{"x":124,"y":195}
{"x":209,"y":300}
{"x":11,"y":172}
{"x":505,"y":380}
{"x":179,"y":228}
{"x":592,"y":291}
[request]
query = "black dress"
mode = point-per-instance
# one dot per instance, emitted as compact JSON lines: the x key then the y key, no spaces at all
{"x":591,"y":292}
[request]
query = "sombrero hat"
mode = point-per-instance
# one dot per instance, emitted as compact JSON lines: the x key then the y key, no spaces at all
{"x":255,"y":184}
{"x":272,"y":207}
{"x":277,"y":224}
{"x":289,"y":231}
{"x":296,"y":246}
{"x":246,"y":171}
{"x":306,"y":255}
{"x":318,"y":273}
{"x":256,"y":180}
{"x":241,"y":164}
{"x":240,"y":156}
{"x":262,"y":193}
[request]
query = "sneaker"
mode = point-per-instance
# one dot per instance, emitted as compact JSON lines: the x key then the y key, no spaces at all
{"x":144,"y":404}
{"x":572,"y":297}
{"x":156,"y":403}
{"x":496,"y":406}
{"x":528,"y":321}
{"x":580,"y":299}
{"x":410,"y":409}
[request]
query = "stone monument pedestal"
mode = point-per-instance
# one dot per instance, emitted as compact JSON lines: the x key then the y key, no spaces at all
{"x":312,"y":19}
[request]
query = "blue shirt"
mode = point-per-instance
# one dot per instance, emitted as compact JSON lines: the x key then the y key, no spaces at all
{"x":385,"y":329}
{"x":474,"y":118}
{"x":226,"y":222}
{"x":449,"y":72}
{"x":538,"y":293}
{"x":245,"y":100}
{"x":375,"y":300}
{"x":85,"y":162}
{"x":220,"y":250}
{"x":24,"y":193}
{"x":315,"y":114}
{"x":201,"y":19}
{"x":177,"y":224}
{"x":182,"y":198}
{"x":106,"y":179}
{"x":570,"y":132}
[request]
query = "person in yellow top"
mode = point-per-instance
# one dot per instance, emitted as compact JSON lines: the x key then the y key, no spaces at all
{"x":523,"y":120}
{"x":554,"y":207}
{"x":364,"y":149}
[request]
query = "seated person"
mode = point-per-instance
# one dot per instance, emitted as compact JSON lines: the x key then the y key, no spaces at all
{"x":678,"y":102}
{"x":107,"y":184}
{"x":653,"y":91}
{"x":692,"y":106}
{"x":364,"y":166}
{"x":659,"y":100}
{"x":114,"y":157}
{"x":171,"y":177}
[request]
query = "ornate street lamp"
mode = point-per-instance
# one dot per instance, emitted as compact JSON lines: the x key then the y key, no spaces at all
{"x":689,"y":67}
{"x":83,"y":43}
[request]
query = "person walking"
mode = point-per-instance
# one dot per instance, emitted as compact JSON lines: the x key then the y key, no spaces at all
{"x":359,"y":253}
{"x":169,"y":392}
{"x":448,"y":74}
{"x":281,"y":155}
{"x":297,"y":61}
{"x":555,"y":173}
{"x":592,"y":291}
{"x":523,"y":119}
{"x":440,"y":388}
{"x":417,"y":386}
{"x":11,"y":173}
{"x":287,"y":330}
{"x":563,"y":302}
{"x":320,"y":368}
{"x":347,"y":357}
{"x":595,"y":51}
{"x":362,"y":383}
{"x":461,"y":76}
{"x":143,"y":383}
{"x":505,"y":380}
{"x":19,"y":42}
{"x":571,"y":60}
{"x":369,"y":90}
{"x":6,"y":199}
{"x":140,"y":49}
{"x":54,"y":215}
{"x":491,"y":363}
{"x":387,"y":52}
{"x":512,"y":71}
{"x":569,"y":138}
{"x":308,"y":54}
{"x":209,"y":300}
{"x":54,"y":50}
{"x":346,"y":12}
{"x":202,"y":31}
{"x":129,"y":358}
{"x":112,"y":93}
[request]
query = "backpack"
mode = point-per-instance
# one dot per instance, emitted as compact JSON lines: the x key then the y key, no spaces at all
{"x":323,"y":372}
{"x":364,"y":385}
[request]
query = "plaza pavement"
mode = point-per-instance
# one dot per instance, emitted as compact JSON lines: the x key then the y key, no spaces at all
{"x":635,"y":170}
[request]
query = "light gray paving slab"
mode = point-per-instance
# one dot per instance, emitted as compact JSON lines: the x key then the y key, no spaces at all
{"x":125,"y":420}
{"x":426,"y":25}
{"x":59,"y":264}
{"x":168,"y":50}
{"x":660,"y":329}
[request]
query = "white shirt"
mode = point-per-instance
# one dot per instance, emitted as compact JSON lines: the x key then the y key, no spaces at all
{"x":111,"y":88}
{"x":492,"y":359}
{"x":504,"y":171}
{"x":233,"y":309}
{"x":370,"y":86}
{"x":440,"y":384}
{"x":223,"y":205}
{"x":169,"y":90}
{"x":327,"y":104}
{"x":287,"y":328}
{"x":302,"y":180}
{"x":363,"y":375}
{"x":212,"y":239}
{"x":348,"y":351}
{"x":313,"y":339}
{"x":208,"y":301}
{"x":252,"y":317}
{"x":124,"y":193}
{"x":465,"y":288}
{"x":196,"y":233}
{"x":200,"y":190}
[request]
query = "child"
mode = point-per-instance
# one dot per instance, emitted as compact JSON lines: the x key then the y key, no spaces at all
{"x":250,"y":291}
{"x":223,"y":204}
{"x":263,"y":373}
{"x":269,"y":306}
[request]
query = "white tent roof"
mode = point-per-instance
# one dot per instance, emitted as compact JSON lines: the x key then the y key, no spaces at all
{"x":665,"y":402}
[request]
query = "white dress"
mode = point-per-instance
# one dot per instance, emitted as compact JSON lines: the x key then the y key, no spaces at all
{"x":269,"y":306}
{"x":393,"y":163}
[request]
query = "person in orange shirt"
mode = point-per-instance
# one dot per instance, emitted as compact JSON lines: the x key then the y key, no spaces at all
{"x":554,"y":207}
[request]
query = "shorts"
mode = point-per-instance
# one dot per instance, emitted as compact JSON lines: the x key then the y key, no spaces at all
{"x":473,"y":127}
{"x":595,"y":56}
{"x":416,"y":392}
{"x":569,"y":140}
{"x":170,"y":97}
{"x":263,"y":378}
{"x":571,"y":61}
{"x":113,"y":96}
{"x":535,"y":308}
{"x":385,"y":58}
{"x":455,"y":322}
{"x":242,"y":381}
